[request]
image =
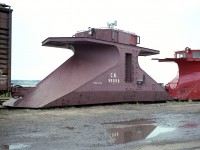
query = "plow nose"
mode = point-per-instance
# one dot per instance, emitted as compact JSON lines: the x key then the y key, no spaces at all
{"x":88,"y":62}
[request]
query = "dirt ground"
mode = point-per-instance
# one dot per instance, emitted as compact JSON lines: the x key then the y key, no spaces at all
{"x":172,"y":125}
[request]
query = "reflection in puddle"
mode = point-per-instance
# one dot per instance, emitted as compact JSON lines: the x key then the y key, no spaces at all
{"x":158,"y":130}
{"x":136,"y":130}
{"x":5,"y":147}
{"x":16,"y":146}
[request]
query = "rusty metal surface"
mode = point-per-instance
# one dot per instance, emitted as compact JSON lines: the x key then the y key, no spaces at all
{"x":95,"y":74}
{"x":5,"y":47}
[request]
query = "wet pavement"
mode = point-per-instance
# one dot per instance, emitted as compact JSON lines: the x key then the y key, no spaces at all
{"x":101,"y":127}
{"x":163,"y":127}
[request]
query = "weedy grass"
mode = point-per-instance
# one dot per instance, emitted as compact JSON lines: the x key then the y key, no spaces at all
{"x":5,"y":95}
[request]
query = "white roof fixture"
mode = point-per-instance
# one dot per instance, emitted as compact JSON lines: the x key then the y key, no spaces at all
{"x":111,"y":25}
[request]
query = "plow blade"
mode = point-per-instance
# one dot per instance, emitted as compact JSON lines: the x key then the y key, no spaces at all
{"x":186,"y":85}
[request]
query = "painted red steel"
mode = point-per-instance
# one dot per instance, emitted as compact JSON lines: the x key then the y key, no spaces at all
{"x":96,"y":73}
{"x":186,"y":85}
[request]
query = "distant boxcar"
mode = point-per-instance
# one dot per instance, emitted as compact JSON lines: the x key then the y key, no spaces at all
{"x":5,"y":47}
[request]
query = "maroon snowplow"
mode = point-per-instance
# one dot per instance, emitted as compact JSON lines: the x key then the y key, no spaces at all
{"x":103,"y":69}
{"x":185,"y":86}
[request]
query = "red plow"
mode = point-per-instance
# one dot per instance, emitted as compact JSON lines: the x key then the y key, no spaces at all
{"x":186,"y":85}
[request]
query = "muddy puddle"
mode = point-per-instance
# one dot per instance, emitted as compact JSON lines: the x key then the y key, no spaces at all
{"x":142,"y":129}
{"x":151,"y":130}
{"x":16,"y":146}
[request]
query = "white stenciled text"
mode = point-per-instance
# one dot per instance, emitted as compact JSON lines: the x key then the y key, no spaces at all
{"x":113,"y":78}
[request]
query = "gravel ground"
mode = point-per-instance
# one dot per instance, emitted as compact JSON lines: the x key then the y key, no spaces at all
{"x":172,"y":125}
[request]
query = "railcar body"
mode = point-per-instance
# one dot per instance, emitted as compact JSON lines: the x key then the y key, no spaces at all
{"x":103,"y":69}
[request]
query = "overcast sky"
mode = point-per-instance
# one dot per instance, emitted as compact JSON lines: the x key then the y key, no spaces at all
{"x":163,"y":25}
